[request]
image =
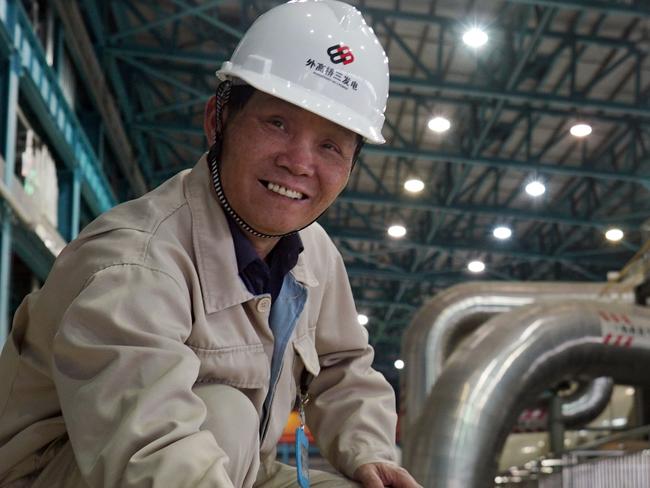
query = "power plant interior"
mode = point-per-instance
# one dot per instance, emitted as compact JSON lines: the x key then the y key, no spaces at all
{"x":497,"y":245}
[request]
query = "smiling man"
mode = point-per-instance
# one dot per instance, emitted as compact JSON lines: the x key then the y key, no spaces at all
{"x":281,"y":166}
{"x":173,"y":337}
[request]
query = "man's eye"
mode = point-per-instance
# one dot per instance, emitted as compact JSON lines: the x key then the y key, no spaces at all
{"x":277,"y":123}
{"x":332,"y":147}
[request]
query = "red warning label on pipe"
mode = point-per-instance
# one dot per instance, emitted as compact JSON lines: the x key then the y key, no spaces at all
{"x":620,"y":330}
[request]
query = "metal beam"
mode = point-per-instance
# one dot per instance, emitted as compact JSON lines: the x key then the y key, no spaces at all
{"x":608,"y":7}
{"x":191,"y":57}
{"x":82,"y":50}
{"x":8,"y":125}
{"x":237,"y":34}
{"x":161,"y":76}
{"x":41,"y":89}
{"x":164,"y":20}
{"x":355,"y":271}
{"x":383,"y":303}
{"x":482,"y":92}
{"x":454,"y":25}
{"x":446,"y":246}
{"x":539,"y":167}
{"x":488,"y":211}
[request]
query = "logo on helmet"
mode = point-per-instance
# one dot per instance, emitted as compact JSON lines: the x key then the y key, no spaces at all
{"x":340,"y":53}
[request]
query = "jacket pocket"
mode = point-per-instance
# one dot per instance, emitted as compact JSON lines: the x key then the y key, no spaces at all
{"x":239,"y":366}
{"x":306,"y":351}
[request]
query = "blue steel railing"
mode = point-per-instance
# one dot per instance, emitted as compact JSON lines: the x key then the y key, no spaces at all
{"x":41,"y":88}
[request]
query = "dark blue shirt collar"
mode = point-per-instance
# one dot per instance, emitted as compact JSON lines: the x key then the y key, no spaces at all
{"x":264,"y":276}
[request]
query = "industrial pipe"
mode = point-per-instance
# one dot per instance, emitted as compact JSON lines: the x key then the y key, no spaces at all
{"x":507,"y":363}
{"x":452,"y":314}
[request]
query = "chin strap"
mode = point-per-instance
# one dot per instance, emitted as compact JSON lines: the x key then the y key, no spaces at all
{"x":221,"y":196}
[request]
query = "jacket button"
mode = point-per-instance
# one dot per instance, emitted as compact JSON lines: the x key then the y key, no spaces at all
{"x":264,"y":304}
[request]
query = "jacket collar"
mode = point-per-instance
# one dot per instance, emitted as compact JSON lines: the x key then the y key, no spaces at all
{"x":214,"y":249}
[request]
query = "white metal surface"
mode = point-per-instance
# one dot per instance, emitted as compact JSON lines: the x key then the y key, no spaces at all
{"x":630,"y":471}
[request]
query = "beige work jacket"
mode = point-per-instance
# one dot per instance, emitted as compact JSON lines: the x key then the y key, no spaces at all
{"x":146,"y":303}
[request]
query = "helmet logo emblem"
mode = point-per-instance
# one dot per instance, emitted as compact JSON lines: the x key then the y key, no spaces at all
{"x":340,"y":53}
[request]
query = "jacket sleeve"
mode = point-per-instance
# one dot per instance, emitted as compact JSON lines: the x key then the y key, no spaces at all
{"x":124,"y":378}
{"x":352,"y":411}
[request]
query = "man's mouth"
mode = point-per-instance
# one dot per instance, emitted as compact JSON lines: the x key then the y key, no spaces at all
{"x":287,"y":192}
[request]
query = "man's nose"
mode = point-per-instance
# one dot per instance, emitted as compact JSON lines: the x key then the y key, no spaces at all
{"x":298,"y":157}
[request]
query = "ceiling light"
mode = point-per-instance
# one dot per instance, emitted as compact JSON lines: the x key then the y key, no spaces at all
{"x":614,"y":235}
{"x":502,"y":232}
{"x":414,"y":185}
{"x":439,"y":124}
{"x":399,"y":364}
{"x":476,"y":266}
{"x":629,"y":391}
{"x":397,"y":231}
{"x":475,"y":37}
{"x":535,"y":188}
{"x":363,"y":319}
{"x":580,"y":130}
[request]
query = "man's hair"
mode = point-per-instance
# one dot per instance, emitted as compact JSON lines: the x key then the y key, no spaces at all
{"x":239,"y":97}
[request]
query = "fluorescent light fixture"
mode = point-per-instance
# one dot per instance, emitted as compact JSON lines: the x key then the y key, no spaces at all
{"x":397,"y":231}
{"x":439,"y":124}
{"x":476,"y":266}
{"x":614,"y":235}
{"x":363,"y":319}
{"x":399,"y":364}
{"x":414,"y":185}
{"x":475,"y":37}
{"x":535,"y":188}
{"x":502,"y":232}
{"x":580,"y":130}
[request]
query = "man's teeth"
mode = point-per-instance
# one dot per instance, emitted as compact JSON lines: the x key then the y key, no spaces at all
{"x":296,"y":195}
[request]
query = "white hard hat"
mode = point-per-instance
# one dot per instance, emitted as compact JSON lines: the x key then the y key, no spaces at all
{"x":320,"y":55}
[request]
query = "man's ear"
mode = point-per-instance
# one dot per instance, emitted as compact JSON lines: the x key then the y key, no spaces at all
{"x":209,"y":121}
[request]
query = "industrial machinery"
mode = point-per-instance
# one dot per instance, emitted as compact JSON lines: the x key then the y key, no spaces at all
{"x":480,"y":354}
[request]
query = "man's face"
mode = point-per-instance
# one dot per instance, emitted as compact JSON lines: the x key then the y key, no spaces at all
{"x":282,"y":166}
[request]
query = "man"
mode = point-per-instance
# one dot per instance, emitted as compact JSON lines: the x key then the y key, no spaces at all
{"x":171,"y":339}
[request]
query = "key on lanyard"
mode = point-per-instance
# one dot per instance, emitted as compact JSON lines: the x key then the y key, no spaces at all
{"x":302,"y":443}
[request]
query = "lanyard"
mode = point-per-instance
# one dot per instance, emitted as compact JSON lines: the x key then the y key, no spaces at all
{"x":302,"y":443}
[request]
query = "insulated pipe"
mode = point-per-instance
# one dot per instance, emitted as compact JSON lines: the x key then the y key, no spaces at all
{"x":457,"y":311}
{"x":588,"y":405}
{"x":508,"y":362}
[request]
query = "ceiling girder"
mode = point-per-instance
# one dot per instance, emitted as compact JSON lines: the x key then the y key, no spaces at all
{"x":625,"y":221}
{"x":634,"y":8}
{"x":470,"y":248}
{"x":432,"y":86}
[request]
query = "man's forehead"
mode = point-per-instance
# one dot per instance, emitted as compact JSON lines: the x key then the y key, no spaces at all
{"x":267,"y":100}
